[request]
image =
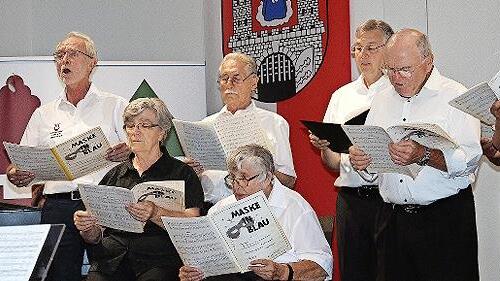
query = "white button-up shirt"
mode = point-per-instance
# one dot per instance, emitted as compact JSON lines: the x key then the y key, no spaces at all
{"x":300,"y":225}
{"x":277,"y":131}
{"x":430,"y":105}
{"x":59,"y":120}
{"x":345,"y":103}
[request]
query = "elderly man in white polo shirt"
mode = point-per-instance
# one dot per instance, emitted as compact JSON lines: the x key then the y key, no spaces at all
{"x":237,"y":81}
{"x":80,"y":107}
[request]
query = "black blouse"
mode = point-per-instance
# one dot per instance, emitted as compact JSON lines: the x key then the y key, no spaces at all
{"x":153,"y":248}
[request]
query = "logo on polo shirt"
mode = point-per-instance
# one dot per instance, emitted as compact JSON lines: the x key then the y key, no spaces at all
{"x":57,"y":133}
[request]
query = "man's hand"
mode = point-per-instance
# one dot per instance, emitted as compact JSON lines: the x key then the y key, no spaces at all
{"x":142,"y":211}
{"x":406,"y":152}
{"x":188,"y":273}
{"x":118,"y":153}
{"x":197,"y":167}
{"x":269,"y":270}
{"x":19,"y":178}
{"x":495,"y":110}
{"x":318,"y":143}
{"x":359,"y":159}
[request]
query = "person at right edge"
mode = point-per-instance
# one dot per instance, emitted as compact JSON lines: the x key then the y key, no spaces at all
{"x":491,"y":147}
{"x":426,"y":229}
{"x":358,"y":198}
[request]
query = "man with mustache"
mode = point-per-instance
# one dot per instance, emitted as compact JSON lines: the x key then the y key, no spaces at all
{"x":237,"y":82}
{"x":80,"y":107}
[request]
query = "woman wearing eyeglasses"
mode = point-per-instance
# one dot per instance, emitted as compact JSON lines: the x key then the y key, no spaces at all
{"x":251,"y":169}
{"x":120,"y":255}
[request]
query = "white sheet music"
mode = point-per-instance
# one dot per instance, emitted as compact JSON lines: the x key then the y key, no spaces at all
{"x":226,"y":241}
{"x":107,"y":204}
{"x":429,"y":135}
{"x":477,"y":102}
{"x":38,"y":160}
{"x":374,"y":141}
{"x":20,"y":247}
{"x":166,"y":194}
{"x":239,"y":130}
{"x":85,"y":153}
{"x":200,"y":141}
{"x":251,"y":230}
{"x":199,"y":244}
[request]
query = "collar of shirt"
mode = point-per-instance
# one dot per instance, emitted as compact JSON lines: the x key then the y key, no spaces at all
{"x":250,"y":107}
{"x":63,"y":99}
{"x":375,"y":87}
{"x":277,"y":198}
{"x":164,"y":163}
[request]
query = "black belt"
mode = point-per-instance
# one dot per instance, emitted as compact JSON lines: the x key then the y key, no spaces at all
{"x":409,"y":208}
{"x":73,"y":195}
{"x":416,"y":209}
{"x":363,"y":191}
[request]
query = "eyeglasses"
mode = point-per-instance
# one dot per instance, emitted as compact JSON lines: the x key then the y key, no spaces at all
{"x":405,"y":71}
{"x":129,"y":127}
{"x":235,"y":79}
{"x":229,"y":180}
{"x":72,"y":54}
{"x":370,"y":49}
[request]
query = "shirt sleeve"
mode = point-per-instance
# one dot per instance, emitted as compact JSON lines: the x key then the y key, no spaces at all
{"x":118,"y":111}
{"x":309,"y":243}
{"x":284,"y":160}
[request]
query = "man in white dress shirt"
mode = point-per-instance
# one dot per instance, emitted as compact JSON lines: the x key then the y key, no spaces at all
{"x":427,"y":228}
{"x":80,"y":107}
{"x":358,"y":198}
{"x":237,"y":82}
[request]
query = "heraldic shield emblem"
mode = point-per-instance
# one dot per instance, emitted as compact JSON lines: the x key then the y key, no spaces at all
{"x":287,"y":38}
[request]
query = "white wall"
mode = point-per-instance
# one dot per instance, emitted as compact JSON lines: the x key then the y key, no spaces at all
{"x":122,"y":30}
{"x":466,"y":45}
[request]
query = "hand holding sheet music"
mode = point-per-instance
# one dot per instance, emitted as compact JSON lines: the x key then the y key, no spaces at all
{"x":374,"y":141}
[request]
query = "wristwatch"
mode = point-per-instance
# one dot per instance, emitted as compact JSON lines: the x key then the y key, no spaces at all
{"x":426,"y":158}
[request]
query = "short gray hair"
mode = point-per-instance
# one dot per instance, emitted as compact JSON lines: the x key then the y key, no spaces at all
{"x":421,"y":40}
{"x":255,"y":155}
{"x":250,"y":64}
{"x":89,"y":43}
{"x":374,"y":24}
{"x":137,"y":106}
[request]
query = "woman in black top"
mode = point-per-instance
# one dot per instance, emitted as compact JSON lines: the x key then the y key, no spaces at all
{"x":121,"y":255}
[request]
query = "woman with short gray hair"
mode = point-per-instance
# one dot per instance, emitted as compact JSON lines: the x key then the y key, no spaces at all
{"x":150,"y":255}
{"x":251,"y":169}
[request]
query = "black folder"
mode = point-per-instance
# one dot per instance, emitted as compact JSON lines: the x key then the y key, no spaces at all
{"x":339,"y":142}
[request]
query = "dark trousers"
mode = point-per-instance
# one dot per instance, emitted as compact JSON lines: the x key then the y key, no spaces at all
{"x":437,"y":242}
{"x":67,"y":263}
{"x":124,"y":273}
{"x":355,"y":229}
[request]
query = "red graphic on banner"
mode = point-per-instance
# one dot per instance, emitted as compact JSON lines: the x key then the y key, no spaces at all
{"x":16,"y":106}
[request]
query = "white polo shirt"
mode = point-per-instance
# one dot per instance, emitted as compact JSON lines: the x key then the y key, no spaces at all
{"x":300,"y":225}
{"x":346,"y":103}
{"x":59,"y":120}
{"x":277,"y":131}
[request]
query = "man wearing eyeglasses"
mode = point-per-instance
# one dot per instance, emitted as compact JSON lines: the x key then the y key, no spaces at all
{"x":237,"y":82}
{"x":427,"y":227}
{"x":358,"y":198}
{"x":80,"y":107}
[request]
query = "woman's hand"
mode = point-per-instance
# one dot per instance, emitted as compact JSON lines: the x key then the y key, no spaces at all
{"x":87,"y":225}
{"x":142,"y":211}
{"x":188,"y":273}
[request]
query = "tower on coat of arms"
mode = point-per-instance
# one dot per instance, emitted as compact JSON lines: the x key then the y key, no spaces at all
{"x":285,"y":37}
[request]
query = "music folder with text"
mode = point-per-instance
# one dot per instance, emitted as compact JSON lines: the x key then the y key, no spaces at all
{"x":228,"y":240}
